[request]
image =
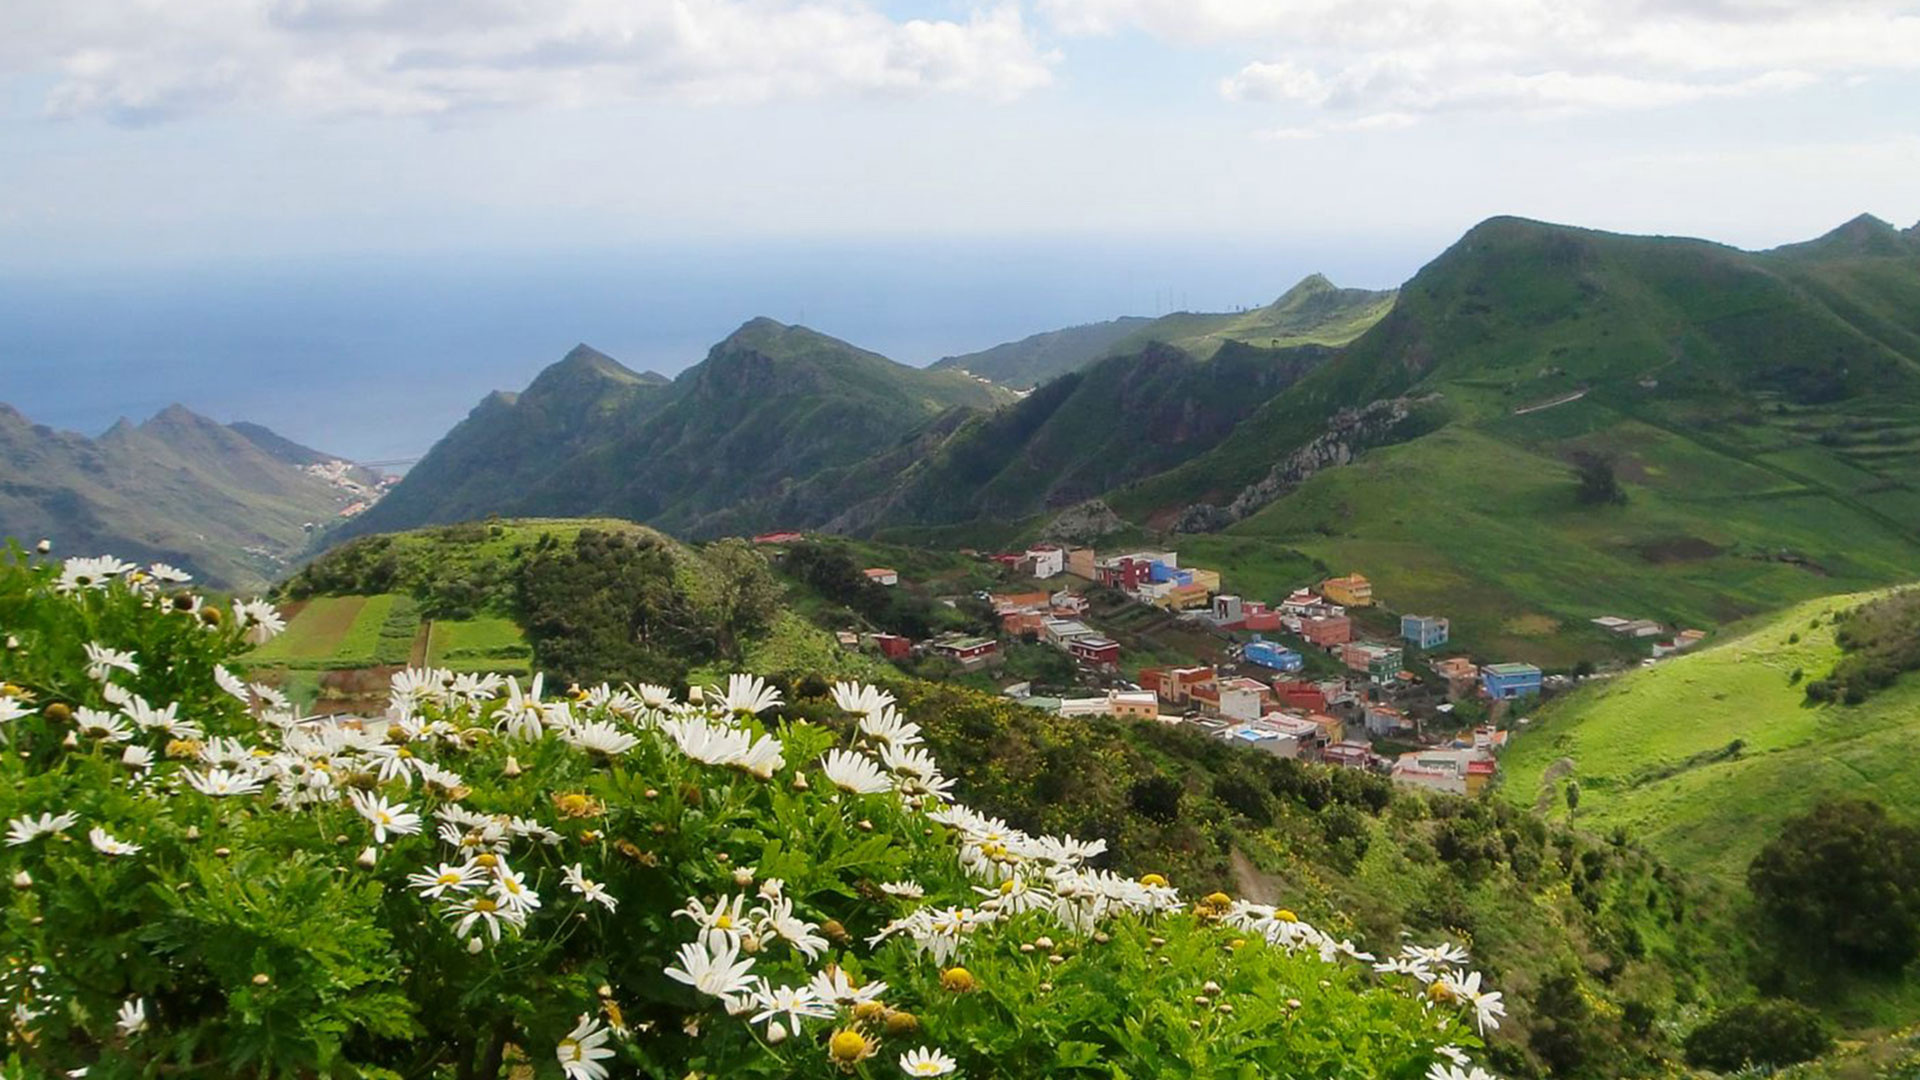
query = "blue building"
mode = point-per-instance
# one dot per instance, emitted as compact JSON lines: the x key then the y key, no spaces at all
{"x":1271,"y":654}
{"x":1505,"y":682}
{"x":1424,"y":631}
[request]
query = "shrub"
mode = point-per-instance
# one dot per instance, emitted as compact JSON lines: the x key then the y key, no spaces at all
{"x":1842,"y":886}
{"x":491,"y":880}
{"x":1765,"y":1033}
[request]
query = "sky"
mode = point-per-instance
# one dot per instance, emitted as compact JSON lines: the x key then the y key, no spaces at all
{"x":242,"y":199}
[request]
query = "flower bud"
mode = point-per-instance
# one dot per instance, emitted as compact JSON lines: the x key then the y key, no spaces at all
{"x":22,"y":880}
{"x":776,"y":1033}
{"x":43,"y":546}
{"x":368,"y":857}
{"x":474,"y":945}
{"x":512,"y":767}
{"x":262,"y":979}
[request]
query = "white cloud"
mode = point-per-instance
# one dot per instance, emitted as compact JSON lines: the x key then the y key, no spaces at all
{"x":146,"y":60}
{"x":1415,"y":57}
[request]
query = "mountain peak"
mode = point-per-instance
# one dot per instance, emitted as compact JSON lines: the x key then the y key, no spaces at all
{"x":1863,"y":235}
{"x":583,"y":370}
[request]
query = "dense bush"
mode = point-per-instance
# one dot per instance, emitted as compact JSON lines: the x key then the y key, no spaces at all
{"x":1880,"y":641}
{"x":1841,"y":885}
{"x":1764,"y":1033}
{"x":486,"y":881}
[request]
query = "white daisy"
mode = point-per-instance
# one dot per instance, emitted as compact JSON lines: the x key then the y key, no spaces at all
{"x":220,"y":783}
{"x":133,"y":1017}
{"x":23,"y":830}
{"x":925,"y":1061}
{"x":104,"y":843}
{"x":102,"y":662}
{"x":576,"y":879}
{"x":749,"y":694}
{"x":599,"y":737}
{"x":713,"y":966}
{"x":855,"y":773}
{"x":386,"y":817}
{"x":259,"y":619}
{"x":583,"y":1049}
{"x":793,"y":1002}
{"x":105,"y":726}
{"x":859,"y":698}
{"x":445,"y":878}
{"x":95,"y":573}
{"x":510,"y":890}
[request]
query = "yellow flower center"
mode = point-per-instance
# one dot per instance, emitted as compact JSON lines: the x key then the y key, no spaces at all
{"x":484,"y":904}
{"x":487,"y":859}
{"x":847,"y":1046}
{"x":867,"y":1010}
{"x":723,"y":922}
{"x":1283,"y":915}
{"x":1155,"y":880}
{"x":958,"y":979}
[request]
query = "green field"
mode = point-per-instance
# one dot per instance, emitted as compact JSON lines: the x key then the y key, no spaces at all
{"x":313,"y":635}
{"x":1703,"y":756}
{"x":487,"y":643}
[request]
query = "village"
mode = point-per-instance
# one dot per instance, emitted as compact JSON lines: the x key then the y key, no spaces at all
{"x":1300,"y":677}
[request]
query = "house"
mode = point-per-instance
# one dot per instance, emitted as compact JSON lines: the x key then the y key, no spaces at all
{"x":1133,"y":704}
{"x":1505,"y":682}
{"x":1067,"y":604}
{"x":1175,"y":685}
{"x":1243,"y":698}
{"x":1049,"y":560}
{"x":1349,"y":755}
{"x":1272,"y":654}
{"x":1095,"y":651}
{"x":1060,"y":631}
{"x":847,"y":639}
{"x":1385,"y":721}
{"x":785,"y":536}
{"x":1228,"y":612}
{"x":1129,"y":572}
{"x":1205,"y":697}
{"x":1456,"y":667}
{"x":881,"y":575}
{"x":1080,"y":563}
{"x":1300,"y":695}
{"x":1302,"y":602}
{"x":1209,"y":580}
{"x":1381,"y":663}
{"x":1332,"y":729}
{"x":891,"y":646}
{"x":971,"y":653}
{"x":1685,"y":639}
{"x":1455,"y":772}
{"x":1327,"y":631}
{"x":1182,"y":597}
{"x":1350,"y":591}
{"x":1259,"y":738}
{"x":1257,"y":616}
{"x":1424,"y":631}
{"x":1086,"y":706}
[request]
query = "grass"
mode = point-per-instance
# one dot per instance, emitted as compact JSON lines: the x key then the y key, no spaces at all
{"x":314,"y":635}
{"x":486,"y":643}
{"x":1655,"y":750}
{"x":360,"y":645}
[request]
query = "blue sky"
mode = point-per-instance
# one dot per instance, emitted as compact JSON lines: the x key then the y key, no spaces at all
{"x":1209,"y":151}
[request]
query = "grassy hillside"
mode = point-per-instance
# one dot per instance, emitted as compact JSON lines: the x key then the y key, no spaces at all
{"x":229,"y":503}
{"x":1705,"y":754}
{"x":1314,"y":312}
{"x":1757,"y":408}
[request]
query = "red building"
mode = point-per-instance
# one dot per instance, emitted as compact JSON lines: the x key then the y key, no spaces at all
{"x":1295,"y":694}
{"x":1098,"y":651}
{"x":784,"y":537}
{"x":1327,"y":630}
{"x":1256,"y":616}
{"x":891,"y":646}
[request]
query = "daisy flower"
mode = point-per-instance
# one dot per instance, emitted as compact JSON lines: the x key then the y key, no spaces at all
{"x":831,"y":984}
{"x":887,"y":726}
{"x":102,"y":662}
{"x":137,"y":757}
{"x":510,"y":890}
{"x":133,"y":1017}
{"x":583,"y":1049}
{"x":925,"y":1061}
{"x":104,"y":843}
{"x":859,"y":698}
{"x":713,"y":966}
{"x":763,"y":758}
{"x":260,"y":620}
{"x":435,"y":883}
{"x":172,"y":575}
{"x":599,"y":737}
{"x":749,"y":694}
{"x":95,"y":573}
{"x":855,"y":773}
{"x":11,"y":709}
{"x":654,"y":697}
{"x":905,"y":890}
{"x":22,"y":830}
{"x":386,"y":817}
{"x":220,"y":783}
{"x":724,"y":919}
{"x":232,"y":684}
{"x":576,"y":879}
{"x":482,"y":911}
{"x":793,"y":1002}
{"x":105,"y":726}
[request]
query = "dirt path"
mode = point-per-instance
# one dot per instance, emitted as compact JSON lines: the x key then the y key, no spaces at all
{"x":1563,"y":399}
{"x":1544,"y":802}
{"x":421,"y":638}
{"x":1250,"y":883}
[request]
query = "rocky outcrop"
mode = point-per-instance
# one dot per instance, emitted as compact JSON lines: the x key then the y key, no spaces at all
{"x":1350,"y":433}
{"x":1083,"y":523}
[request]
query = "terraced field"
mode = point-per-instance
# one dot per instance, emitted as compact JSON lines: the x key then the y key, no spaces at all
{"x":338,"y":651}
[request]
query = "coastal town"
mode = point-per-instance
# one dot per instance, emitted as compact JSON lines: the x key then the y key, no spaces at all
{"x":1325,"y":673}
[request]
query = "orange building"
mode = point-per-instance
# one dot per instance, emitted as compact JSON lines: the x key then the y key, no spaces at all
{"x":1350,"y":591}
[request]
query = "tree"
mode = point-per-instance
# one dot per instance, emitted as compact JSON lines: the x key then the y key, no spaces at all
{"x":1598,"y":484}
{"x":745,"y":596}
{"x":1766,"y":1033}
{"x":1842,"y":885}
{"x":1573,"y":796}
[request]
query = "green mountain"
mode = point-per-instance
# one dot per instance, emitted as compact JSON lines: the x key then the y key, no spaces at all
{"x":1757,"y":410}
{"x":1129,"y":416}
{"x":1033,"y":360}
{"x":1314,"y":312}
{"x":233,"y":504}
{"x":708,"y":453}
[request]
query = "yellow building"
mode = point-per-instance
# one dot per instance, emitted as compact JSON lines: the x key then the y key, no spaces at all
{"x":1209,"y":579}
{"x":1350,"y":591}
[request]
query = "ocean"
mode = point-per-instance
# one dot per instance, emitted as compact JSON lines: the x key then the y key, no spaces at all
{"x":375,"y":357}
